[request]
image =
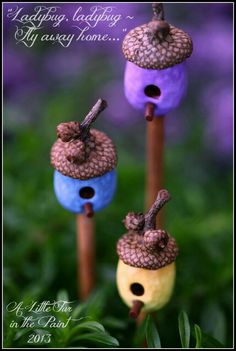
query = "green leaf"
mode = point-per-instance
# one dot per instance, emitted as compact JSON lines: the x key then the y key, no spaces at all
{"x":198,"y":335}
{"x":23,"y":332}
{"x":140,"y":333}
{"x":95,"y":303}
{"x":78,"y":310}
{"x":213,"y":321}
{"x":90,"y":326}
{"x":113,"y":322}
{"x":9,"y":337}
{"x":184,"y":329}
{"x":210,"y":342}
{"x":62,"y":296}
{"x":99,"y":337}
{"x":59,"y":313}
{"x":152,"y":336}
{"x":94,"y":326}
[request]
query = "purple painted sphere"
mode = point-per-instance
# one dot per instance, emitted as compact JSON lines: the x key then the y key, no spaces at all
{"x":165,"y":88}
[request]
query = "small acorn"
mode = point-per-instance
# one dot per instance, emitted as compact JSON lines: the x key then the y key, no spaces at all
{"x":146,"y":267}
{"x":84,"y":160}
{"x":155,"y":76}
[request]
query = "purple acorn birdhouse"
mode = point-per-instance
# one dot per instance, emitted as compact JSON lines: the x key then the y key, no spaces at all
{"x":155,"y":75}
{"x":84,"y":160}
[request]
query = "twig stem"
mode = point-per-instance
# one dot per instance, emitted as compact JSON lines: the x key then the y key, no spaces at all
{"x":150,"y":218}
{"x":91,"y":117}
{"x":158,"y":10}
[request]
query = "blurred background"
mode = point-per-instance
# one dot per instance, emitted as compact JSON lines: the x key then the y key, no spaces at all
{"x":47,"y":84}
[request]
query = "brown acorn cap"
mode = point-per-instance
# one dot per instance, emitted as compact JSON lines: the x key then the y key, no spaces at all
{"x":157,"y":44}
{"x":144,"y":246}
{"x":82,"y":153}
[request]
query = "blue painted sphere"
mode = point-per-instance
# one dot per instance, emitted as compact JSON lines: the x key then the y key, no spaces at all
{"x":165,"y":88}
{"x":72,"y":193}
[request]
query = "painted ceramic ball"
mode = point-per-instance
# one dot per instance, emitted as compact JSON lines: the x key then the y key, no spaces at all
{"x":164,"y":88}
{"x":73,"y":194}
{"x":152,"y":287}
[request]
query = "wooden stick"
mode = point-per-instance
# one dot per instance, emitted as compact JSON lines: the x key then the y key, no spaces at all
{"x":88,"y":209}
{"x":135,"y":309}
{"x":149,"y":111}
{"x":154,"y":154}
{"x":154,"y":173}
{"x":154,"y":166}
{"x":85,"y":228}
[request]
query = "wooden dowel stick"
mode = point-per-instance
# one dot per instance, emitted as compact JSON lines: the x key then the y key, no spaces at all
{"x":154,"y":166}
{"x":135,"y":309}
{"x":149,"y":111}
{"x":88,"y":209}
{"x":85,"y":229}
{"x":154,"y":173}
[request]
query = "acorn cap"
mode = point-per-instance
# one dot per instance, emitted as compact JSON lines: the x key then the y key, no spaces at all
{"x":157,"y":44}
{"x":144,"y":246}
{"x":82,"y":153}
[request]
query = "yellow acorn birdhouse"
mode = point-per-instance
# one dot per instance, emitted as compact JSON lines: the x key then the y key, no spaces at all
{"x":146,"y":267}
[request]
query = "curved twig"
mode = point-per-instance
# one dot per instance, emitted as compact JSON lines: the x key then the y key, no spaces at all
{"x":163,"y":197}
{"x":91,"y":117}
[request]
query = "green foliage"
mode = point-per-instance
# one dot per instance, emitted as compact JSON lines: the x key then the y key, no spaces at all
{"x":213,"y":321}
{"x":198,"y":335}
{"x":209,"y":342}
{"x":152,"y":336}
{"x":81,"y":331}
{"x":202,"y":340}
{"x":184,"y":329}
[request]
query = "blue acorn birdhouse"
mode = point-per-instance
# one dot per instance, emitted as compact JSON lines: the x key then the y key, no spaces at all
{"x":84,"y":160}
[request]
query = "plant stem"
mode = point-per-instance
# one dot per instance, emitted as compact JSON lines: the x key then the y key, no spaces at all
{"x":150,"y":218}
{"x":158,"y":11}
{"x":91,"y":117}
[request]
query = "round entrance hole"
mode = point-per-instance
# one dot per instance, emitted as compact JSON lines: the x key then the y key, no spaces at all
{"x":137,"y":289}
{"x":152,"y":91}
{"x":87,"y":192}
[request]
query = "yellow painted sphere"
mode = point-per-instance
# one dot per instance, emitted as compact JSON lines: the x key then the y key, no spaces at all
{"x":152,"y":287}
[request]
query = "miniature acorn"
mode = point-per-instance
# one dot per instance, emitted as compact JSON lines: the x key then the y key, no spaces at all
{"x":146,"y":266}
{"x":84,"y":160}
{"x":155,"y":75}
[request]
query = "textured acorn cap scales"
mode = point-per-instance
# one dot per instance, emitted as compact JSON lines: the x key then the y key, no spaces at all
{"x":81,"y":152}
{"x":157,"y":45}
{"x":144,"y":246}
